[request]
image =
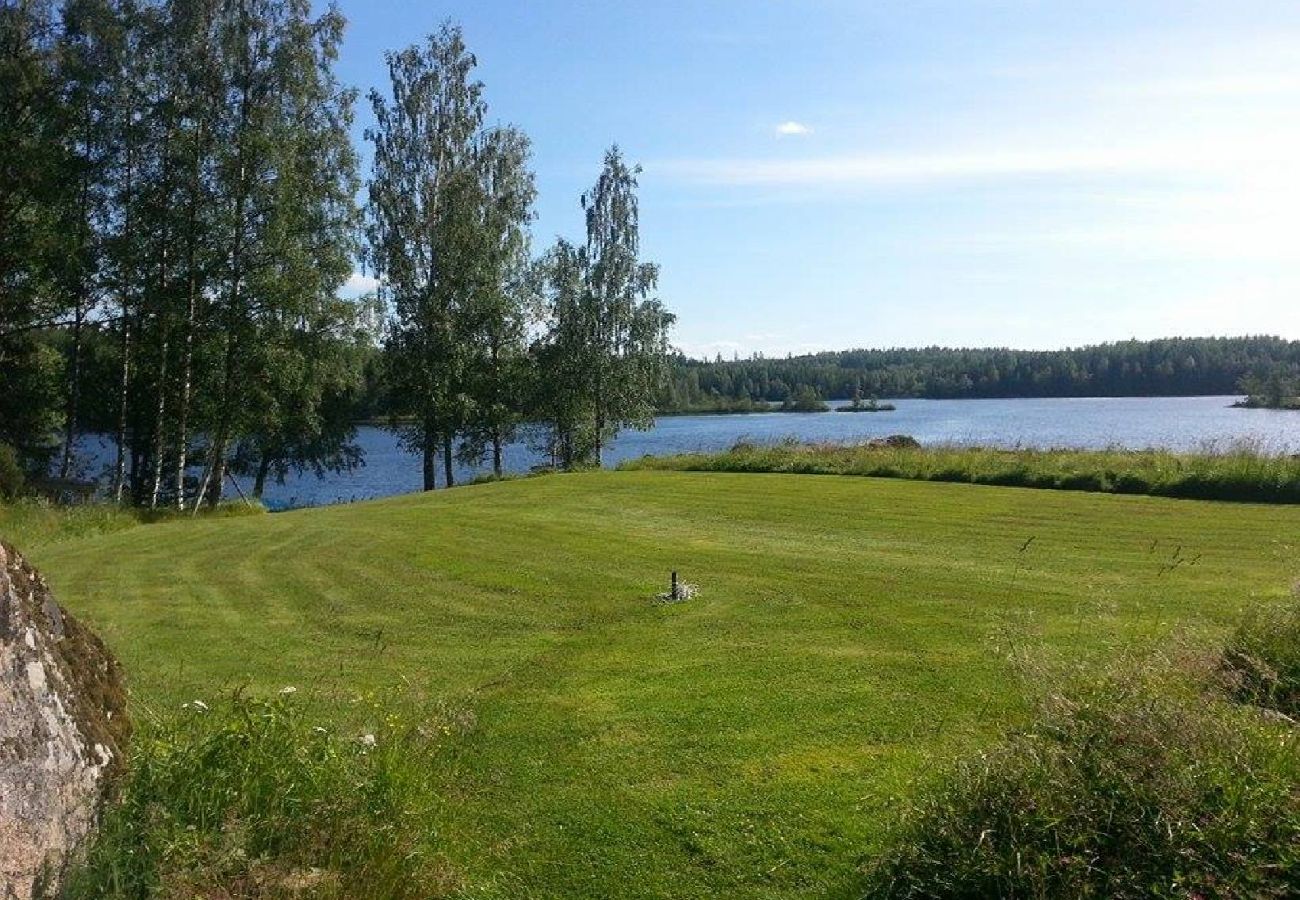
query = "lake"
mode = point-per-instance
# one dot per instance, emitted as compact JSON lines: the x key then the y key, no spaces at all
{"x":1177,"y":423}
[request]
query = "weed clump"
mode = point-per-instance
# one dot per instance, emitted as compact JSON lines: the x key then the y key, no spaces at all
{"x":247,"y":798}
{"x":1131,"y":785}
{"x":1262,"y":658}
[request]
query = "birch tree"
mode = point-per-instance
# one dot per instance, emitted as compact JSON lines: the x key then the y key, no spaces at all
{"x":495,"y":324}
{"x":609,"y":337}
{"x":424,"y":141}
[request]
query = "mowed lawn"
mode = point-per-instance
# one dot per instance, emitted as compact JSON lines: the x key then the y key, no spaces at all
{"x":850,"y":638}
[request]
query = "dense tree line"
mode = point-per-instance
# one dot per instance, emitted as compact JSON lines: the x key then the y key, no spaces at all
{"x":179,"y":210}
{"x":1170,"y":367}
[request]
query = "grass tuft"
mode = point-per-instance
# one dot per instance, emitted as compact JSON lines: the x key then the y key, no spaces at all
{"x":1262,"y":657}
{"x":1126,"y":785}
{"x":247,"y":797}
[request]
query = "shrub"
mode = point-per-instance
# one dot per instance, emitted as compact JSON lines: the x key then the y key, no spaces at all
{"x":12,"y":479}
{"x":247,"y":798}
{"x":1127,"y":787}
{"x":1262,"y":658}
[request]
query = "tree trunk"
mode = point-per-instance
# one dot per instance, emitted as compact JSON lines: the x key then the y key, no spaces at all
{"x":191,"y":308}
{"x":74,"y":394}
{"x":119,"y":468}
{"x":160,"y":412}
{"x":430,"y":455}
{"x":79,"y":318}
{"x":216,"y":487}
{"x":187,"y":365}
{"x":497,"y":468}
{"x":446,"y":461}
{"x":159,"y":416}
{"x":237,"y":264}
{"x":259,"y":482}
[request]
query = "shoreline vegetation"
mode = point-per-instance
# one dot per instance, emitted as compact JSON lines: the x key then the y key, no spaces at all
{"x":1287,"y":403}
{"x":1242,"y":473}
{"x":857,"y":404}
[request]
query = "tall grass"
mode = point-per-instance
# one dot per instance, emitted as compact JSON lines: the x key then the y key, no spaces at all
{"x":1262,"y":657}
{"x":1242,"y":472}
{"x":1145,"y":781}
{"x":249,"y":798}
{"x":29,"y":521}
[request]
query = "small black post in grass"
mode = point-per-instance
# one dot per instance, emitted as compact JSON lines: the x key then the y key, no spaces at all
{"x":676,"y":595}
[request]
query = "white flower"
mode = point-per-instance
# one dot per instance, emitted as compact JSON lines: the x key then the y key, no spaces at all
{"x":290,"y":689}
{"x":200,"y":705}
{"x":367,"y":740}
{"x":319,"y":730}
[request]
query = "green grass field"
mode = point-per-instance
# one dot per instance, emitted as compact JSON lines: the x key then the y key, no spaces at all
{"x":850,"y":638}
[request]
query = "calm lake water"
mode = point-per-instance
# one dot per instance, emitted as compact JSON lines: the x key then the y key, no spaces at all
{"x":1179,"y":423}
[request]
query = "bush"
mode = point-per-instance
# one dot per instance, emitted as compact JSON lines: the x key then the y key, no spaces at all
{"x":12,"y":479}
{"x":1127,"y":787}
{"x":1262,"y":658}
{"x":247,"y":798}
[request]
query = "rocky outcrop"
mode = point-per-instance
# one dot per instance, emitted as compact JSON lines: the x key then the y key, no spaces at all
{"x":63,"y":727}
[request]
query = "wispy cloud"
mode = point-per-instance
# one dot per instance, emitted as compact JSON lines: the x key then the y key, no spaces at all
{"x":1244,"y":84}
{"x":792,"y":129}
{"x":1171,"y":159}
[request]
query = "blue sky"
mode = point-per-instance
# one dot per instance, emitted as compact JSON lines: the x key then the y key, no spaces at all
{"x":824,"y":174}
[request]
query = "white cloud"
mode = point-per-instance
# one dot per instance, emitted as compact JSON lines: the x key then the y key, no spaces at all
{"x":770,"y":344}
{"x":358,"y":284}
{"x":792,"y":129}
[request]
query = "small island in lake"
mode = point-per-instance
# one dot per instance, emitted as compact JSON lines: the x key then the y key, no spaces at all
{"x":857,"y":404}
{"x":1276,"y":390}
{"x":804,"y":400}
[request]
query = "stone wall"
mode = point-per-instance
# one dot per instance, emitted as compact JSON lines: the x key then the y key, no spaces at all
{"x":63,"y":727}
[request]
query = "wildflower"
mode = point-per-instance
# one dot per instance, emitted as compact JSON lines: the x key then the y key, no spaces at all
{"x":200,"y":706}
{"x":289,"y":689}
{"x":367,"y":740}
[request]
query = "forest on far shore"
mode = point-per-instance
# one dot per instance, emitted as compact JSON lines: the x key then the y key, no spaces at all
{"x":1179,"y":367}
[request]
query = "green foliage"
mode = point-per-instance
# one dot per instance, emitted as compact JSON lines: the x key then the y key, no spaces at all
{"x":1240,"y":473}
{"x":12,"y":477}
{"x":1127,"y":785}
{"x":35,"y":192}
{"x":30,"y":372}
{"x":252,"y":797}
{"x":804,"y":399}
{"x":1262,"y":656}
